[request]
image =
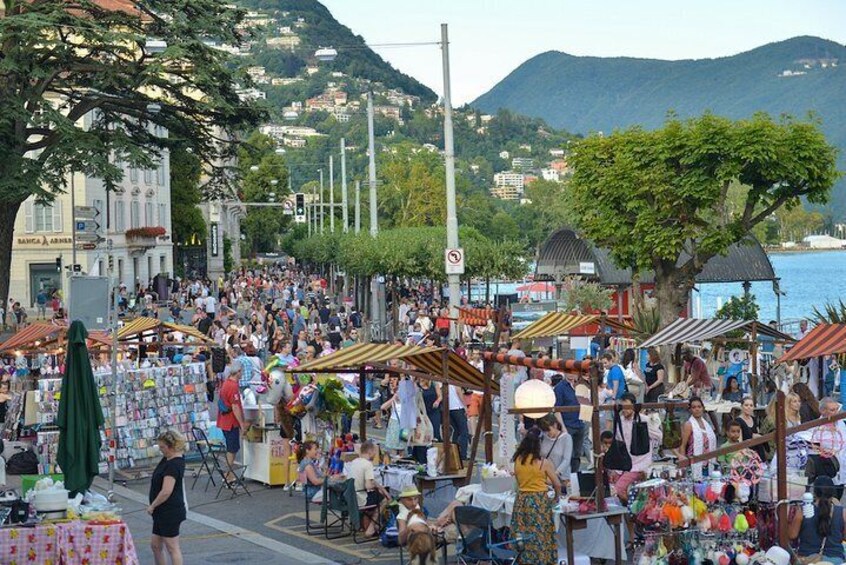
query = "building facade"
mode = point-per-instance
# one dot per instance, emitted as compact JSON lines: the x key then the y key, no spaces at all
{"x":43,"y":236}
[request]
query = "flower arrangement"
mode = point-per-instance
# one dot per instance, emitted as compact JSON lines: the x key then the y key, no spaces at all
{"x":150,"y":231}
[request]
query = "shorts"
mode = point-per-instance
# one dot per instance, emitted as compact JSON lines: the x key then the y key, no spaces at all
{"x":167,"y":526}
{"x":233,"y":440}
{"x":627,"y":479}
{"x":374,"y":498}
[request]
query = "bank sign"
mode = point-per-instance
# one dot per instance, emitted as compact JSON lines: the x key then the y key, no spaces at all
{"x":215,"y":249}
{"x":45,"y":241}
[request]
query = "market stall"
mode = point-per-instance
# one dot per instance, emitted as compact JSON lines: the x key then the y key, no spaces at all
{"x":68,"y":542}
{"x":822,"y":342}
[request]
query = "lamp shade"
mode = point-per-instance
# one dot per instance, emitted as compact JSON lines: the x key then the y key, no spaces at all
{"x":534,"y":393}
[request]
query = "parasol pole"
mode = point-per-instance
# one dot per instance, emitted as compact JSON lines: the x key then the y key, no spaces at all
{"x":112,"y":438}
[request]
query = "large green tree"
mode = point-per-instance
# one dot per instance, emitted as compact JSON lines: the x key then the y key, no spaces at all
{"x":656,"y":197}
{"x":185,"y":194}
{"x":265,"y":175}
{"x":83,"y":85}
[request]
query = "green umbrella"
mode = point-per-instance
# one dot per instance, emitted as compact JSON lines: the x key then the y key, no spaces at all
{"x":80,"y":415}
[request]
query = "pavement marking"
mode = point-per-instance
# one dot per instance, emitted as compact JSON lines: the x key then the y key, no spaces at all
{"x":370,"y":551}
{"x":234,"y":531}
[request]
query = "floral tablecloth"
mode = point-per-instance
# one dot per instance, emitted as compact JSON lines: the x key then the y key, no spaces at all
{"x":70,"y":543}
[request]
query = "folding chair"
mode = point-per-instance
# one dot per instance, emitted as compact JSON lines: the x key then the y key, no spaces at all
{"x":314,"y":530}
{"x":335,"y":510}
{"x":474,"y":530}
{"x":224,"y":469}
{"x":205,"y":447}
{"x":379,"y":521}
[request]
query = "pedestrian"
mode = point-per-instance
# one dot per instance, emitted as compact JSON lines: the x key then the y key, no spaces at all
{"x":41,"y":302}
{"x":458,"y":421}
{"x":654,"y":375}
{"x":230,"y":415}
{"x":565,"y":395}
{"x":432,"y":399}
{"x":167,"y":498}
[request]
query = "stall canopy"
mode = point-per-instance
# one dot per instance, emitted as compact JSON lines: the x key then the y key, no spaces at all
{"x":559,"y":323}
{"x":687,"y":330}
{"x":143,"y":325}
{"x":40,"y":334}
{"x":824,"y":339}
{"x":476,"y":316}
{"x":427,"y":359}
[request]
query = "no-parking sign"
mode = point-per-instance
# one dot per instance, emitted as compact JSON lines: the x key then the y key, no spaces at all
{"x":454,"y":259}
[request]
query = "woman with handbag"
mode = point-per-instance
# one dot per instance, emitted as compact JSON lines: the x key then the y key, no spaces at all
{"x":821,"y":535}
{"x":698,"y":436}
{"x":636,"y":436}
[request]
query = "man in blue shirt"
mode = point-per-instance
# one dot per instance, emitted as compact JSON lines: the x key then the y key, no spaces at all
{"x":616,"y":379}
{"x":565,"y":395}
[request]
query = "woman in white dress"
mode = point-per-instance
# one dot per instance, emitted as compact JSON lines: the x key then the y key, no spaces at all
{"x":698,"y":436}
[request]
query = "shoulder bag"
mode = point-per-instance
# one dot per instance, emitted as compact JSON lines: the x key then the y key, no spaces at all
{"x":640,"y":435}
{"x":617,"y":457}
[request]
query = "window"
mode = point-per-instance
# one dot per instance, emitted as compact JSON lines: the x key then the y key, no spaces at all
{"x":148,"y":176}
{"x":163,"y":214}
{"x":42,"y":218}
{"x":133,"y":174}
{"x":160,"y":175}
{"x":134,"y":214}
{"x":120,"y":215}
{"x":149,"y":220}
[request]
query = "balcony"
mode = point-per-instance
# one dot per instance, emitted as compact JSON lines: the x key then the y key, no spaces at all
{"x":140,"y":240}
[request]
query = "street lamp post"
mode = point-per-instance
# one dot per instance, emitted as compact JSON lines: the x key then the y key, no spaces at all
{"x":331,"y":195}
{"x":345,"y":214}
{"x":321,"y":202}
{"x":449,"y":158}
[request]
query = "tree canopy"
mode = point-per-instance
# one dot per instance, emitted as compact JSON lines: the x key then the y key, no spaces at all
{"x":652,"y":196}
{"x":88,"y":86}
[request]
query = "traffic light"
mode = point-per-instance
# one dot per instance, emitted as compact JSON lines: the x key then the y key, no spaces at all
{"x":59,"y":264}
{"x":299,"y":204}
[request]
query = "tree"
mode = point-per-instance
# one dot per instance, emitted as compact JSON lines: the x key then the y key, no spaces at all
{"x":653,"y":196}
{"x":739,"y":308}
{"x":185,"y":195}
{"x":82,"y":90}
{"x":263,"y":226}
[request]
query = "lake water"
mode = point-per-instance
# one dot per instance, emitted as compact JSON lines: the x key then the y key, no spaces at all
{"x":808,"y":279}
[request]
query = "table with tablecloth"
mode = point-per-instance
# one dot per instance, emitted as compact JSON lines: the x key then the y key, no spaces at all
{"x":596,"y":540}
{"x":68,"y":543}
{"x":397,"y":479}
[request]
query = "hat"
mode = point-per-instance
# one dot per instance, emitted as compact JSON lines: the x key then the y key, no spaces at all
{"x":409,"y":492}
{"x":777,"y":556}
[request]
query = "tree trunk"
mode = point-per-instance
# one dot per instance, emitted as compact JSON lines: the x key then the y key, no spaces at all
{"x":672,"y":291}
{"x":8,"y":213}
{"x":487,"y":291}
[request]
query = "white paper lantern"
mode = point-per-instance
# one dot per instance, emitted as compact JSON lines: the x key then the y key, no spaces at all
{"x":534,"y":394}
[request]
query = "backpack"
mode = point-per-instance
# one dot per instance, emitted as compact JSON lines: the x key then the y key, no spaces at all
{"x":218,"y":359}
{"x":23,"y":463}
{"x":390,"y":535}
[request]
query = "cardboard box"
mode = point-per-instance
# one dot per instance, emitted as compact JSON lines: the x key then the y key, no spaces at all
{"x":455,"y":459}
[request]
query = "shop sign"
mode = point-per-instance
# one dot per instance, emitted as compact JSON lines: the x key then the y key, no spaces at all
{"x":45,"y":241}
{"x":214,"y":237}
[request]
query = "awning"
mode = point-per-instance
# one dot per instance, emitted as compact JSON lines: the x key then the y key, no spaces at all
{"x":141,"y":325}
{"x":824,"y":339}
{"x":560,"y":323}
{"x":32,"y":333}
{"x":475,"y":316}
{"x":686,"y":330}
{"x":426,"y":359}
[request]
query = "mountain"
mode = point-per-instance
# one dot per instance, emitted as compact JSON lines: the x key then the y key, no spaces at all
{"x":583,"y":94}
{"x":318,"y":28}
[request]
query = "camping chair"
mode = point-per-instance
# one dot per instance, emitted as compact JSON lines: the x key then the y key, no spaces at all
{"x":474,"y":531}
{"x":314,"y":529}
{"x":223,"y":469}
{"x":206,"y":449}
{"x":335,"y":512}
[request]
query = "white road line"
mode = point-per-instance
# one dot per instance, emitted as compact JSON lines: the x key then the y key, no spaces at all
{"x":225,"y":527}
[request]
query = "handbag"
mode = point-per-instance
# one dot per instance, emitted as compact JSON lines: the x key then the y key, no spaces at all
{"x":640,"y":436}
{"x":617,"y":457}
{"x":672,"y":431}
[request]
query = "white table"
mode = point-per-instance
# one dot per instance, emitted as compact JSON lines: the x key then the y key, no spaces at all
{"x":597,"y":540}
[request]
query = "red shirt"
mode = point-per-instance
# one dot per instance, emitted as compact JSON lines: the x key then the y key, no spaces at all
{"x":231,"y":396}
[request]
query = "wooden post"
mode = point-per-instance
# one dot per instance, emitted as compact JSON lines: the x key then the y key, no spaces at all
{"x":362,"y":406}
{"x":781,"y":471}
{"x":446,"y":429}
{"x":598,"y":461}
{"x":753,"y":378}
{"x":488,"y":399}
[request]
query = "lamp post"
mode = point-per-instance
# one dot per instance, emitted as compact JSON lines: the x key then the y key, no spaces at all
{"x":345,"y":214}
{"x":449,"y":162}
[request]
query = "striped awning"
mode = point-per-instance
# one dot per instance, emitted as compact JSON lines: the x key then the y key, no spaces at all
{"x":687,"y":330}
{"x":559,"y":323}
{"x":824,"y":339}
{"x":475,"y":316}
{"x":142,"y":325}
{"x":188,"y":331}
{"x":31,"y":334}
{"x":426,"y":359}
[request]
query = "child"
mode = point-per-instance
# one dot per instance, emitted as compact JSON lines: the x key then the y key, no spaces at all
{"x":733,"y":434}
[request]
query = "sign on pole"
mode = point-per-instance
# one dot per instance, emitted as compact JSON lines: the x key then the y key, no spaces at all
{"x":454,"y":259}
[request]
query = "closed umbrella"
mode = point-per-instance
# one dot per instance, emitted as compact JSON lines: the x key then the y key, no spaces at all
{"x":80,"y":415}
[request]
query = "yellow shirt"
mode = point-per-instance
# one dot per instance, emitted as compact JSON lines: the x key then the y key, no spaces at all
{"x":530,"y":476}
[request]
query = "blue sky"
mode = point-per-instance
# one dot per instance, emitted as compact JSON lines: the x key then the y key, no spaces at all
{"x":489,"y":38}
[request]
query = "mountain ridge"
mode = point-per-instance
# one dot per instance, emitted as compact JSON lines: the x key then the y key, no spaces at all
{"x":583,"y":94}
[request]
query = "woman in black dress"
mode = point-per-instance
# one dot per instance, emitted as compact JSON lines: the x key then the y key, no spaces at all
{"x":167,"y":498}
{"x":749,"y":427}
{"x":654,"y":374}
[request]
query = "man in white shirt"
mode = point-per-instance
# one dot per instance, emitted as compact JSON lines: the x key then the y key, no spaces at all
{"x":367,"y":490}
{"x":210,"y":304}
{"x":458,"y":421}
